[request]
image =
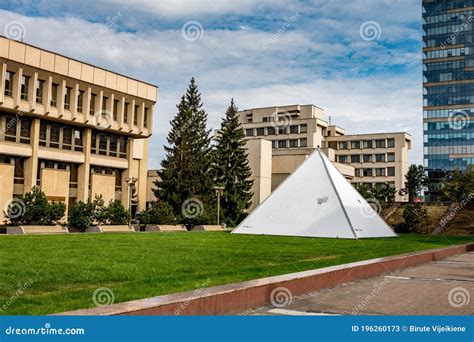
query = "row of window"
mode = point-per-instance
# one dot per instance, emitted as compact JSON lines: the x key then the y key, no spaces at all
{"x":109,"y":144}
{"x":15,"y":128}
{"x":39,"y":88}
{"x":449,"y":28}
{"x":262,"y":131}
{"x":357,"y":144}
{"x":367,"y":158}
{"x":290,"y":143}
{"x":375,"y":172}
{"x":447,"y":53}
{"x":446,"y":18}
{"x":59,"y":136}
{"x":463,"y":123}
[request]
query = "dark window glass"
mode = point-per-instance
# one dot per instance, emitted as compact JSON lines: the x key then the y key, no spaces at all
{"x":270,"y":131}
{"x":39,"y":91}
{"x":67,"y":138}
{"x":115,"y":114}
{"x":355,"y":158}
{"x":125,"y":114}
{"x":113,"y":146}
{"x":303,"y":128}
{"x":249,"y":132}
{"x":25,"y":82}
{"x":135,"y":115}
{"x":260,"y":131}
{"x":102,"y":144}
{"x":78,"y":140}
{"x":294,"y":129}
{"x":391,"y":142}
{"x":390,"y":171}
{"x":67,"y":98}
{"x":54,"y":136}
{"x":9,"y":83}
{"x":54,"y":95}
{"x":92,"y":104}
{"x":281,"y":143}
{"x":380,"y":143}
{"x":80,"y":101}
{"x":303,"y":142}
{"x":293,"y":143}
{"x":10,"y":127}
{"x":367,"y":143}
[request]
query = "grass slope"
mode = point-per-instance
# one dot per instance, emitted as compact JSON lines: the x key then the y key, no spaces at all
{"x":64,"y":270}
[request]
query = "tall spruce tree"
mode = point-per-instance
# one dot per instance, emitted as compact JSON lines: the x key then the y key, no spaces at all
{"x":185,"y":171}
{"x":231,"y":168}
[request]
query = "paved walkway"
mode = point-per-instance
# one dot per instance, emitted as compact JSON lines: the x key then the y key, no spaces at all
{"x":443,"y":287}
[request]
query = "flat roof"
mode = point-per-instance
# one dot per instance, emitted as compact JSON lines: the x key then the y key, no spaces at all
{"x":293,"y":105}
{"x":77,"y":60}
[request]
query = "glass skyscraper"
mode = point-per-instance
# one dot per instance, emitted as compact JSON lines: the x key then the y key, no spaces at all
{"x":448,"y":88}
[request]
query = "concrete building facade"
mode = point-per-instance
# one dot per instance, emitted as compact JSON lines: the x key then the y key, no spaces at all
{"x":74,"y":129}
{"x":293,"y":132}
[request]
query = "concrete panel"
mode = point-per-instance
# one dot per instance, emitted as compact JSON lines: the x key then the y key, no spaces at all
{"x":61,"y":65}
{"x":99,"y":77}
{"x":66,"y":156}
{"x":110,"y":80}
{"x":142,"y":90}
{"x":103,"y":185}
{"x":47,"y":61}
{"x":122,"y":84}
{"x":138,"y":149}
{"x":152,"y":93}
{"x":15,"y":149}
{"x":260,"y":162}
{"x":6,"y":184}
{"x":33,"y":56}
{"x":75,"y":69}
{"x":87,"y":74}
{"x":55,"y":184}
{"x":132,"y":87}
{"x":4,"y":47}
{"x":109,"y":161}
{"x":17,"y":52}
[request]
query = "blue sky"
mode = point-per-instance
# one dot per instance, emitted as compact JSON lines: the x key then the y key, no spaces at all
{"x":359,"y":60}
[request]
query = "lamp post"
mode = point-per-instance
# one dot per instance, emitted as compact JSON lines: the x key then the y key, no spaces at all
{"x":219,"y":190}
{"x":130,"y":185}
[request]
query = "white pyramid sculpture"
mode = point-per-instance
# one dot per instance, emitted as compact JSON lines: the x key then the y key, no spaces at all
{"x":315,"y":201}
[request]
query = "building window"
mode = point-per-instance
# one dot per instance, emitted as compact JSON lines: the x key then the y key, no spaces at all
{"x":391,"y":142}
{"x":294,"y":129}
{"x":367,"y":158}
{"x":109,"y":145}
{"x":43,"y":133}
{"x":19,"y":171}
{"x":67,"y":138}
{"x":355,"y":144}
{"x":390,"y":157}
{"x":357,"y":172}
{"x":67,"y":98}
{"x":343,"y":145}
{"x":60,"y":136}
{"x":92,"y":104}
{"x":25,"y":82}
{"x":270,"y":131}
{"x":39,"y":91}
{"x":135,"y":115}
{"x":123,"y":147}
{"x":146,"y":118}
{"x":293,"y":143}
{"x":344,"y":159}
{"x":54,"y":94}
{"x":54,"y":136}
{"x":281,"y":143}
{"x":367,"y":143}
{"x":303,"y":128}
{"x":126,"y":112}
{"x":380,"y":143}
{"x":260,"y":131}
{"x":80,"y":101}
{"x":25,"y":130}
{"x":265,"y":119}
{"x":78,"y":140}
{"x":9,"y":83}
{"x":380,"y":157}
{"x":281,"y":130}
{"x":390,"y":171}
{"x":113,"y":145}
{"x":10,"y":128}
{"x":115,"y":110}
{"x":355,"y":158}
{"x":367,"y":172}
{"x":274,"y":144}
{"x":380,"y":172}
{"x":249,"y":132}
{"x":303,"y":142}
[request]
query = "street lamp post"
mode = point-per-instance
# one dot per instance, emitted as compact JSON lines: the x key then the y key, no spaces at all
{"x":130,"y":184}
{"x":219,"y":190}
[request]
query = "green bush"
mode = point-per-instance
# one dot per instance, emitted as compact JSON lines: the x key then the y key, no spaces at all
{"x":158,"y":213}
{"x":81,"y":215}
{"x":33,"y":208}
{"x":117,"y":213}
{"x":413,"y":216}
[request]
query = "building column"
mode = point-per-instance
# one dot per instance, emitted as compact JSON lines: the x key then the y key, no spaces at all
{"x":83,"y":171}
{"x":142,"y":177}
{"x":31,"y":163}
{"x":3,"y":74}
{"x":16,"y":87}
{"x":128,"y":173}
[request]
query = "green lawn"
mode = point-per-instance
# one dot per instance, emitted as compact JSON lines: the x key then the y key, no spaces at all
{"x":64,"y":270}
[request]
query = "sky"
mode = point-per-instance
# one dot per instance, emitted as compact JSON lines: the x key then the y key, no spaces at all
{"x":359,"y":60}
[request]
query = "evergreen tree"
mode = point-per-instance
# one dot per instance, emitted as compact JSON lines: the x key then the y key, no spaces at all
{"x":231,"y":168}
{"x":185,"y":171}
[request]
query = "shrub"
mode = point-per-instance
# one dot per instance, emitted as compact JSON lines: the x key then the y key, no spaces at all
{"x":158,"y":213}
{"x":413,"y":216}
{"x":33,"y":208}
{"x":117,"y":213}
{"x":81,"y":215}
